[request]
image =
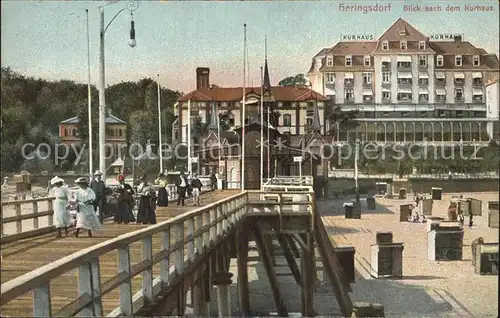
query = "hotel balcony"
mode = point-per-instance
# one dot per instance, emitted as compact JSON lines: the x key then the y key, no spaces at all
{"x":477,"y":95}
{"x":440,"y":79}
{"x":348,"y":79}
{"x":478,"y":82}
{"x":404,"y":63}
{"x":459,"y":79}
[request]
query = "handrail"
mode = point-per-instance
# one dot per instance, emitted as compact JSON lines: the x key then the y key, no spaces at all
{"x":18,"y":218}
{"x":185,"y":239}
{"x":205,"y":227}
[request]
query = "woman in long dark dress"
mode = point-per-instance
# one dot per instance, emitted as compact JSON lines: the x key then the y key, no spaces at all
{"x":147,"y":206}
{"x":125,"y":202}
{"x":162,"y":191}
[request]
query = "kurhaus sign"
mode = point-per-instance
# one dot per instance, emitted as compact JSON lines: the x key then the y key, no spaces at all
{"x":446,"y":36}
{"x":357,"y":37}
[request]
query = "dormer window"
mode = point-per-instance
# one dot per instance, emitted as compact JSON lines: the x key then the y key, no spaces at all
{"x":348,"y":60}
{"x":458,"y":60}
{"x":385,"y":45}
{"x":367,"y":60}
{"x":403,"y":45}
{"x":439,"y":61}
{"x":475,"y":60}
{"x":421,"y":45}
{"x":402,"y":32}
{"x":329,"y":61}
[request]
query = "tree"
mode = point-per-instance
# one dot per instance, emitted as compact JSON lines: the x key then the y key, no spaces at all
{"x":297,"y":80}
{"x":346,"y":120}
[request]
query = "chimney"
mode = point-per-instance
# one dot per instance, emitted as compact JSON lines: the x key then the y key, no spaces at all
{"x":457,"y":39}
{"x":202,"y":77}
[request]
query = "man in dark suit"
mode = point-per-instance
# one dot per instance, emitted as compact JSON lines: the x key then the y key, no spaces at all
{"x":99,"y":188}
{"x":181,"y":184}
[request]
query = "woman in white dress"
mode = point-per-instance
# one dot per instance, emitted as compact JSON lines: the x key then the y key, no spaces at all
{"x":62,"y":217}
{"x":85,"y":218}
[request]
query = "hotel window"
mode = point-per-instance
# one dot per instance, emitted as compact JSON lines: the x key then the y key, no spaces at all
{"x":348,"y":60}
{"x":406,"y":96}
{"x":423,"y":96}
{"x":74,"y":132}
{"x":477,"y":94}
{"x":475,"y":60}
{"x":386,"y":96}
{"x":348,"y":78}
{"x":459,"y":79}
{"x":230,"y":120}
{"x":386,"y":77}
{"x":349,"y":94}
{"x":367,"y":60}
{"x":403,"y":45}
{"x":422,"y":60}
{"x":385,"y":45}
{"x":287,"y":120}
{"x":439,"y":60}
{"x":405,"y":81}
{"x":459,"y":94}
{"x":329,"y":61}
{"x":402,"y":32}
{"x":421,"y":45}
{"x":405,"y":114}
{"x":65,"y":132}
{"x":423,"y":81}
{"x":477,"y":79}
{"x":458,"y":60}
{"x":309,"y":122}
{"x":330,"y":78}
{"x":367,"y":78}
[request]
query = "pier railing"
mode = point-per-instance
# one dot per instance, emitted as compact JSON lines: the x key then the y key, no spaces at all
{"x":26,"y":224}
{"x":170,"y":249}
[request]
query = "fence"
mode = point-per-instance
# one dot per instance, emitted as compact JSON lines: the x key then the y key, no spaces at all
{"x":38,"y":214}
{"x":176,"y":246}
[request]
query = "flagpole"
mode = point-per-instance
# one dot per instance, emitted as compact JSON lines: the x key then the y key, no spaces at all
{"x":244,"y":109}
{"x":189,"y":137}
{"x":268,"y":123}
{"x":89,"y":97}
{"x":159,"y":126}
{"x":261,"y":128}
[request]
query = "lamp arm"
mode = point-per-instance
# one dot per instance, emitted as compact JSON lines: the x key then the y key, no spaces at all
{"x":106,"y":28}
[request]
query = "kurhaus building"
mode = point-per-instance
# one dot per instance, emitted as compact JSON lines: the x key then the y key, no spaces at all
{"x":408,"y":87}
{"x":296,"y":121}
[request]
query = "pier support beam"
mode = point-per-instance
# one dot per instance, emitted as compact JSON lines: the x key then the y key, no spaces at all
{"x":242,"y":257}
{"x":223,"y":282}
{"x":308,"y":276}
{"x":199,"y":305}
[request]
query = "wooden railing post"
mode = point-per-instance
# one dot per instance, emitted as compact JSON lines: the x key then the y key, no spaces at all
{"x":147,"y":274}
{"x":19,"y":223}
{"x":126,"y":287}
{"x":165,"y":263}
{"x":206,"y":234}
{"x":219,"y":222}
{"x":213,"y":227}
{"x":41,"y":301}
{"x":89,"y":282}
{"x":178,"y":230}
{"x":199,"y":238}
{"x":51,"y":208}
{"x":190,"y":229}
{"x":35,"y":212}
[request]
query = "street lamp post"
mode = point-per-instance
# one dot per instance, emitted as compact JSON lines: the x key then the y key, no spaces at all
{"x":131,"y":6}
{"x":357,"y":206}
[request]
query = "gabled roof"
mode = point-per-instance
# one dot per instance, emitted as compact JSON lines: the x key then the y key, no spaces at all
{"x":353,"y":48}
{"x":393,"y":33}
{"x":110,"y":119}
{"x":322,"y":52}
{"x":235,"y":94}
{"x":455,"y":48}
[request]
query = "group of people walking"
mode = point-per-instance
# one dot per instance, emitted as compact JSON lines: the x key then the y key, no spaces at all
{"x":89,"y":201}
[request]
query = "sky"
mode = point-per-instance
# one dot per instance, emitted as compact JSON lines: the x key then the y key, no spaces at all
{"x":48,"y":39}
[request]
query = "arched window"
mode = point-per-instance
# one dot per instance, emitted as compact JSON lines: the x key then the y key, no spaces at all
{"x":439,"y":60}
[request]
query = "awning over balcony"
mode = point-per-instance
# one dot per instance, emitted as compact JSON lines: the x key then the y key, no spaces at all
{"x":404,"y":90}
{"x":477,"y":91}
{"x":423,"y":75}
{"x":460,"y":75}
{"x":386,"y":90}
{"x":404,"y":58}
{"x":440,"y":75}
{"x":349,"y":75}
{"x":477,"y":75}
{"x":386,"y":59}
{"x":423,"y":91}
{"x":367,"y":91}
{"x":440,"y":91}
{"x":404,"y":75}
